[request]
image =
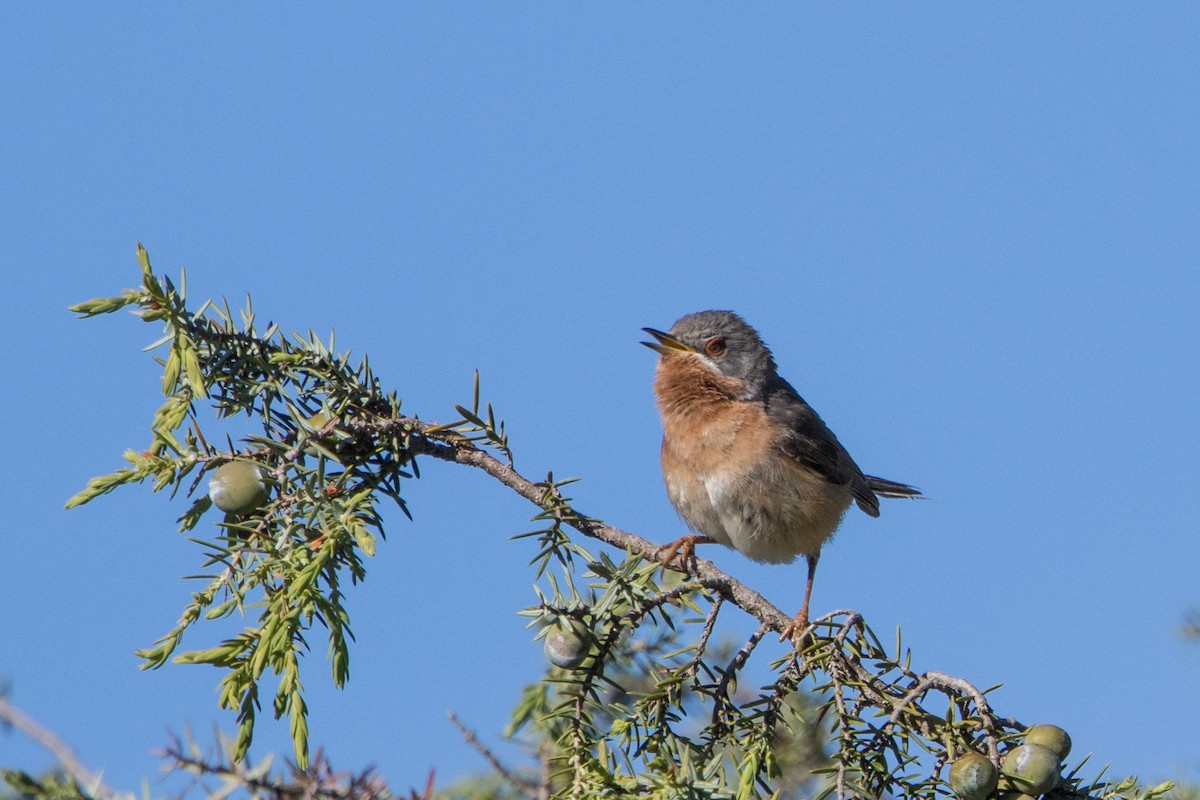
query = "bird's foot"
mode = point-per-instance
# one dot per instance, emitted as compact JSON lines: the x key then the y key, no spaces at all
{"x":799,"y":630}
{"x":685,"y":548}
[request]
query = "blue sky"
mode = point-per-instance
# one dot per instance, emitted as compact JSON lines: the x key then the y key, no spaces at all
{"x":969,"y":232}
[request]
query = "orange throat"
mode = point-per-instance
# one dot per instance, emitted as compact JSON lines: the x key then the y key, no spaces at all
{"x":684,"y":387}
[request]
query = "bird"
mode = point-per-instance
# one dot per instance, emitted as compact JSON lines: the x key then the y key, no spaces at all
{"x":746,"y":461}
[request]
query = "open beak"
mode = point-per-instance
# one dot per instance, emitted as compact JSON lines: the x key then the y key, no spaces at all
{"x":666,"y":344}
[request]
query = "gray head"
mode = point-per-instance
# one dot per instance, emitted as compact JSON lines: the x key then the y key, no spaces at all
{"x":723,"y":341}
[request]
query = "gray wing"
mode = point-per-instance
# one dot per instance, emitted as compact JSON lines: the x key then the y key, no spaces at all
{"x":810,"y":442}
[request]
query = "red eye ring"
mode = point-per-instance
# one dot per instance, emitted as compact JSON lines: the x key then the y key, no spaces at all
{"x":715,"y":346}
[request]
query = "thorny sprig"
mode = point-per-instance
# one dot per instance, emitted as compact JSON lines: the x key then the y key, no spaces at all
{"x":332,"y":444}
{"x":221,"y":773}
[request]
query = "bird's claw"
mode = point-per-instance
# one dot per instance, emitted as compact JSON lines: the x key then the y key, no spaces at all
{"x":798,"y":630}
{"x":685,"y":548}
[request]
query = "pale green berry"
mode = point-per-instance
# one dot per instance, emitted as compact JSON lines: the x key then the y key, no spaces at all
{"x":1032,"y":769}
{"x":238,"y":487}
{"x":1050,"y":736}
{"x":564,"y":649}
{"x":973,"y":776}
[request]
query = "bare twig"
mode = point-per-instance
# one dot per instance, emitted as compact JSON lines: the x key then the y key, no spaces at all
{"x":62,"y":753}
{"x":957,"y":686}
{"x":525,"y":786}
{"x":317,"y":782}
{"x":710,"y":622}
{"x":721,"y":699}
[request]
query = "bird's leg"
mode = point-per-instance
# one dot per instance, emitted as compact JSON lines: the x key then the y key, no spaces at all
{"x":798,"y":627}
{"x":685,"y":546}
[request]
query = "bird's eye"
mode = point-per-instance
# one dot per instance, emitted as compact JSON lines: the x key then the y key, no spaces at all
{"x":715,"y":346}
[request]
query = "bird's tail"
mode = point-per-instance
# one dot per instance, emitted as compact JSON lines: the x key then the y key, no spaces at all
{"x":886,"y":488}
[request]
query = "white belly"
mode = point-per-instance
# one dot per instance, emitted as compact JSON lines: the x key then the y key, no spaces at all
{"x":767,"y":517}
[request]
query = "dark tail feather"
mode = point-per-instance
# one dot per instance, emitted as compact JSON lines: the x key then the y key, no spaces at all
{"x":885,"y":488}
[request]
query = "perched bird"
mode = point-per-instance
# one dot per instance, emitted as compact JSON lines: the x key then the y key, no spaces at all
{"x":747,"y":463}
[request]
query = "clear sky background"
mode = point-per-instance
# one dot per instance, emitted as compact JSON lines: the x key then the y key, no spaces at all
{"x":970,"y":233}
